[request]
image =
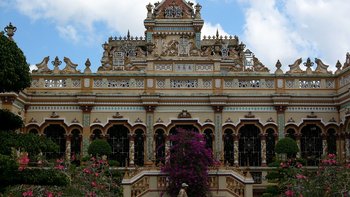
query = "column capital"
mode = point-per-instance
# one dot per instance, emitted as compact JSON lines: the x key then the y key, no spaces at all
{"x":149,"y":108}
{"x":86,"y":108}
{"x":280,"y":108}
{"x":218,"y":108}
{"x":262,"y":136}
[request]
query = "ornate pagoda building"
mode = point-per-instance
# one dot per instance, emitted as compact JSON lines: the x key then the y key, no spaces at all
{"x":174,"y":77}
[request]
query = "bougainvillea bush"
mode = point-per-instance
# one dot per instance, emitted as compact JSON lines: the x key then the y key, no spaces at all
{"x":188,"y":162}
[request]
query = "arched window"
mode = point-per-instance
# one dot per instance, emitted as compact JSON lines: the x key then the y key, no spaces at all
{"x":249,"y":146}
{"x":76,"y":143}
{"x":331,"y":141}
{"x":118,"y":138}
{"x":291,"y":134}
{"x":56,"y":133}
{"x":228,"y":147}
{"x":311,"y":144}
{"x":34,"y":131}
{"x":96,"y":134}
{"x":160,"y":146}
{"x":208,"y":136}
{"x":270,"y":145}
{"x":139,"y":147}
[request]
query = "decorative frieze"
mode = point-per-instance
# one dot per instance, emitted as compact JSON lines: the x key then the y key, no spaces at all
{"x":184,"y":67}
{"x":249,"y":83}
{"x":248,"y":109}
{"x":54,"y":108}
{"x":308,"y":109}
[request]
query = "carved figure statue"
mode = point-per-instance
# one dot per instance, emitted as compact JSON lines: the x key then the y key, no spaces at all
{"x":258,"y":66}
{"x":347,"y":60}
{"x":294,"y":68}
{"x":42,"y":66}
{"x":70,"y":66}
{"x":206,"y":51}
{"x":321,"y":67}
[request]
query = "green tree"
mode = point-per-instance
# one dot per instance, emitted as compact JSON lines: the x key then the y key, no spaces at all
{"x":9,"y":121}
{"x":14,"y":69}
{"x":287,"y":146}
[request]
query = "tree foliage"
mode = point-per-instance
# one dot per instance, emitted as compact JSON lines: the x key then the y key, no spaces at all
{"x":9,"y":121}
{"x":188,"y":163}
{"x":99,"y":147}
{"x":14,"y":69}
{"x":287,"y":146}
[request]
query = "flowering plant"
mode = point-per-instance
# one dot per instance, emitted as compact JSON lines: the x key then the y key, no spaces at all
{"x":188,"y":163}
{"x":329,"y":179}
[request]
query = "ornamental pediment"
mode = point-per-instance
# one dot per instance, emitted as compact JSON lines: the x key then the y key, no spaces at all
{"x":173,"y":9}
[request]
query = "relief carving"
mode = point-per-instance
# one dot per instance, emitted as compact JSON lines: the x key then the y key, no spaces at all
{"x":42,"y":66}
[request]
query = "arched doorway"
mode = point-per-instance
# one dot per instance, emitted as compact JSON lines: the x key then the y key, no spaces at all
{"x":270,"y":145}
{"x":76,"y":140}
{"x":34,"y":131}
{"x":139,"y":147}
{"x":56,"y":133}
{"x":228,"y":147}
{"x":331,"y":141}
{"x":208,"y":137}
{"x":291,"y":134}
{"x":118,"y":139}
{"x":160,"y":146}
{"x":249,"y":146}
{"x":96,"y":134}
{"x":311,"y":144}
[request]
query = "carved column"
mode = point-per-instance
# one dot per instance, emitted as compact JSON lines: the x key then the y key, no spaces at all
{"x":342,"y":148}
{"x":131,"y":150}
{"x":297,"y":138}
{"x":347,"y":147}
{"x":280,"y":120}
{"x":324,"y":144}
{"x":68,"y":148}
{"x":263,"y":149}
{"x":86,"y":109}
{"x":149,"y":134}
{"x":235,"y":149}
{"x":218,"y":131}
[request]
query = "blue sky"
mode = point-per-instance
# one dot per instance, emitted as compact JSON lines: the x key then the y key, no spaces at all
{"x":272,"y":29}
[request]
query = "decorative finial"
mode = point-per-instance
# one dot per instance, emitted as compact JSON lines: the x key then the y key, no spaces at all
{"x":278,"y":64}
{"x":56,"y":63}
{"x":308,"y":63}
{"x":128,"y":36}
{"x":338,"y":66}
{"x":10,"y":30}
{"x":87,"y":64}
{"x":198,"y":8}
{"x":217,"y":33}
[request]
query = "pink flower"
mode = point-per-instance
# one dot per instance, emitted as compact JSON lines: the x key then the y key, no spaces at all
{"x":96,"y":174}
{"x":331,"y":156}
{"x":289,"y":193}
{"x":49,"y":194}
{"x":59,"y":167}
{"x":300,"y":176}
{"x":87,"y":171}
{"x":93,"y":184}
{"x":299,"y":165}
{"x":27,"y":193}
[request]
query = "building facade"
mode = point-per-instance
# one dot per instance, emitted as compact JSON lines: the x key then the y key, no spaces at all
{"x":147,"y":87}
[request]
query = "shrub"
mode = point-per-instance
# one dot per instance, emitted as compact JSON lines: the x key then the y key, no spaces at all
{"x":113,"y":163}
{"x":38,"y":176}
{"x":9,"y":121}
{"x":7,"y":167}
{"x":31,"y":143}
{"x":99,"y":147}
{"x":287,"y":146}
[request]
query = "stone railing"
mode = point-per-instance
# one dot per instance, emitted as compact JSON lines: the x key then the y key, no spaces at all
{"x":222,"y":182}
{"x":208,"y":83}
